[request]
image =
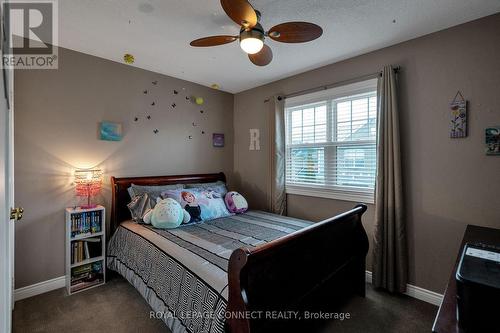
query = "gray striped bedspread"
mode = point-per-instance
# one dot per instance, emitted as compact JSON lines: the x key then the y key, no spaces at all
{"x":182,"y":272}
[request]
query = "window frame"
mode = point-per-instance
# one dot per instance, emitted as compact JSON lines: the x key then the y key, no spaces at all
{"x":330,"y":98}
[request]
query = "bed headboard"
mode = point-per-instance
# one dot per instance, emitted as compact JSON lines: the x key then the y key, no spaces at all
{"x":119,"y":210}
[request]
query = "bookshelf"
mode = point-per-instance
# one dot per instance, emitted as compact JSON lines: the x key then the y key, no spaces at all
{"x":85,"y":248}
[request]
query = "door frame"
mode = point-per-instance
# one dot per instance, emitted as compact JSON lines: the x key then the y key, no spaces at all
{"x":10,"y":175}
{"x":7,"y":227}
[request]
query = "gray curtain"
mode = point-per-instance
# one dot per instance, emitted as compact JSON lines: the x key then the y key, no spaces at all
{"x":277,"y":201}
{"x":390,"y":264}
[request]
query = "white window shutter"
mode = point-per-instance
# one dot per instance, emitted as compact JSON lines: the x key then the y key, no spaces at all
{"x":331,"y":142}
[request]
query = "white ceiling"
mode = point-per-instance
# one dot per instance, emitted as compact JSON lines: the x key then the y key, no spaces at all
{"x":158,"y":32}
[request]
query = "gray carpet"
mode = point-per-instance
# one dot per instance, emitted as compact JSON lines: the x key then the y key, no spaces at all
{"x":118,"y":307}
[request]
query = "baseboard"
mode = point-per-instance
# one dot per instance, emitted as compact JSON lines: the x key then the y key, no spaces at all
{"x":39,"y":288}
{"x":416,"y":292}
{"x":49,"y":285}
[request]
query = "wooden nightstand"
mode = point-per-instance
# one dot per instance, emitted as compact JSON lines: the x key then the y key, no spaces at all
{"x":85,"y":248}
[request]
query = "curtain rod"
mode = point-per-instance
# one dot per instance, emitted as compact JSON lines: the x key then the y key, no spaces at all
{"x":333,"y":85}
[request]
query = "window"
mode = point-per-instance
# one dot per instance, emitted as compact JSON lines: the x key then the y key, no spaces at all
{"x":331,"y":139}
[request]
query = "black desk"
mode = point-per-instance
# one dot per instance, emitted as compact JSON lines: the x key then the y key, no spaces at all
{"x":446,"y":319}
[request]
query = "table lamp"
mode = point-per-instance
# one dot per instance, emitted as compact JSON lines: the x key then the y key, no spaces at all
{"x":88,"y":184}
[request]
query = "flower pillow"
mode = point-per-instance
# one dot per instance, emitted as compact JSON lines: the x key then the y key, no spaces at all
{"x":218,"y":186}
{"x":202,"y":205}
{"x":154,"y":191}
{"x":235,"y":202}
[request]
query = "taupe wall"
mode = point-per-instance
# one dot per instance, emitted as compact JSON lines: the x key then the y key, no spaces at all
{"x":449,"y":183}
{"x":57,"y":115}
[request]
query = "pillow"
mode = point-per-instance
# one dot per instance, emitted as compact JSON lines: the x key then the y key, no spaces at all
{"x":235,"y":202}
{"x":148,"y":217}
{"x":154,"y":191}
{"x":218,"y":186}
{"x":202,"y":205}
{"x":140,"y":206}
{"x":167,"y":214}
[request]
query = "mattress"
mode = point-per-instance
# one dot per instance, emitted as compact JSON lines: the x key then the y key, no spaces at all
{"x":182,"y":272}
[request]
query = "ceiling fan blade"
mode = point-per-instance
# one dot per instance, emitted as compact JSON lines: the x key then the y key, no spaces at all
{"x":263,"y":58}
{"x":295,"y":32}
{"x":241,"y":12}
{"x":213,"y":41}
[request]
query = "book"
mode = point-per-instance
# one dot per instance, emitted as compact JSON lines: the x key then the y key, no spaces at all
{"x":75,"y":252}
{"x":86,"y":248}
{"x":84,"y":285}
{"x":94,"y":247}
{"x":79,"y":251}
{"x":81,"y":269}
{"x":86,"y":223}
{"x":80,"y":278}
{"x":86,"y":276}
{"x":85,"y":244}
{"x":97,"y":266}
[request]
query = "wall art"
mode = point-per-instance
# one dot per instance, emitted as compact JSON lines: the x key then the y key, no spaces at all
{"x":110,"y":131}
{"x":254,"y":139}
{"x":493,"y":140}
{"x":218,"y":140}
{"x":458,"y":117}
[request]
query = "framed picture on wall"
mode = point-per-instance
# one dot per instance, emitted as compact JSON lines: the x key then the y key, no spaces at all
{"x":110,"y":131}
{"x":492,"y":140}
{"x":458,"y":121}
{"x":218,"y":140}
{"x":458,"y":114}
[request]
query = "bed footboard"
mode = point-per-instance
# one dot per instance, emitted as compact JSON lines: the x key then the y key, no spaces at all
{"x":306,"y":270}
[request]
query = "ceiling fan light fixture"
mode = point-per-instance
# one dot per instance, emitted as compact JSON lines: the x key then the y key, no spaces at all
{"x":252,"y":41}
{"x":252,"y":34}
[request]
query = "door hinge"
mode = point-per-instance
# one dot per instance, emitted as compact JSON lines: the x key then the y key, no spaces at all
{"x":16,"y":213}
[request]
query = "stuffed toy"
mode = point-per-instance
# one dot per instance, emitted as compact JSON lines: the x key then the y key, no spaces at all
{"x":167,"y":214}
{"x":235,"y":202}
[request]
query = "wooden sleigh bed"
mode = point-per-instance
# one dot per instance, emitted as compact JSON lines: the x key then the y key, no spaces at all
{"x":307,"y":270}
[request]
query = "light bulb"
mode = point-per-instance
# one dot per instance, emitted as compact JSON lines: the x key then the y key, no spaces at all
{"x":251,"y":45}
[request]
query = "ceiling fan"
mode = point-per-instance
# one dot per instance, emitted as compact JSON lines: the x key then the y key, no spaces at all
{"x":252,"y":34}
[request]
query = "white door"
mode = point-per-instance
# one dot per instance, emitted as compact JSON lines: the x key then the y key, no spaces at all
{"x":6,"y":200}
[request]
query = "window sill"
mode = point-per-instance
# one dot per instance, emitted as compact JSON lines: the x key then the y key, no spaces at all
{"x":356,"y":196}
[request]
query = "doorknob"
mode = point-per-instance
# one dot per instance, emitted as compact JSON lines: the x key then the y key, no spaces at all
{"x":16,"y":213}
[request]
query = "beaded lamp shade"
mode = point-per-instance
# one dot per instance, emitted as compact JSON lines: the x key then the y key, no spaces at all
{"x":88,"y":184}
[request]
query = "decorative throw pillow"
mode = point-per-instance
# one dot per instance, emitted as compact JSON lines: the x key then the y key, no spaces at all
{"x":201,"y":205}
{"x":154,"y":191}
{"x":139,"y":206}
{"x":218,"y":186}
{"x":167,"y":214}
{"x":147,"y":218}
{"x":235,"y":202}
